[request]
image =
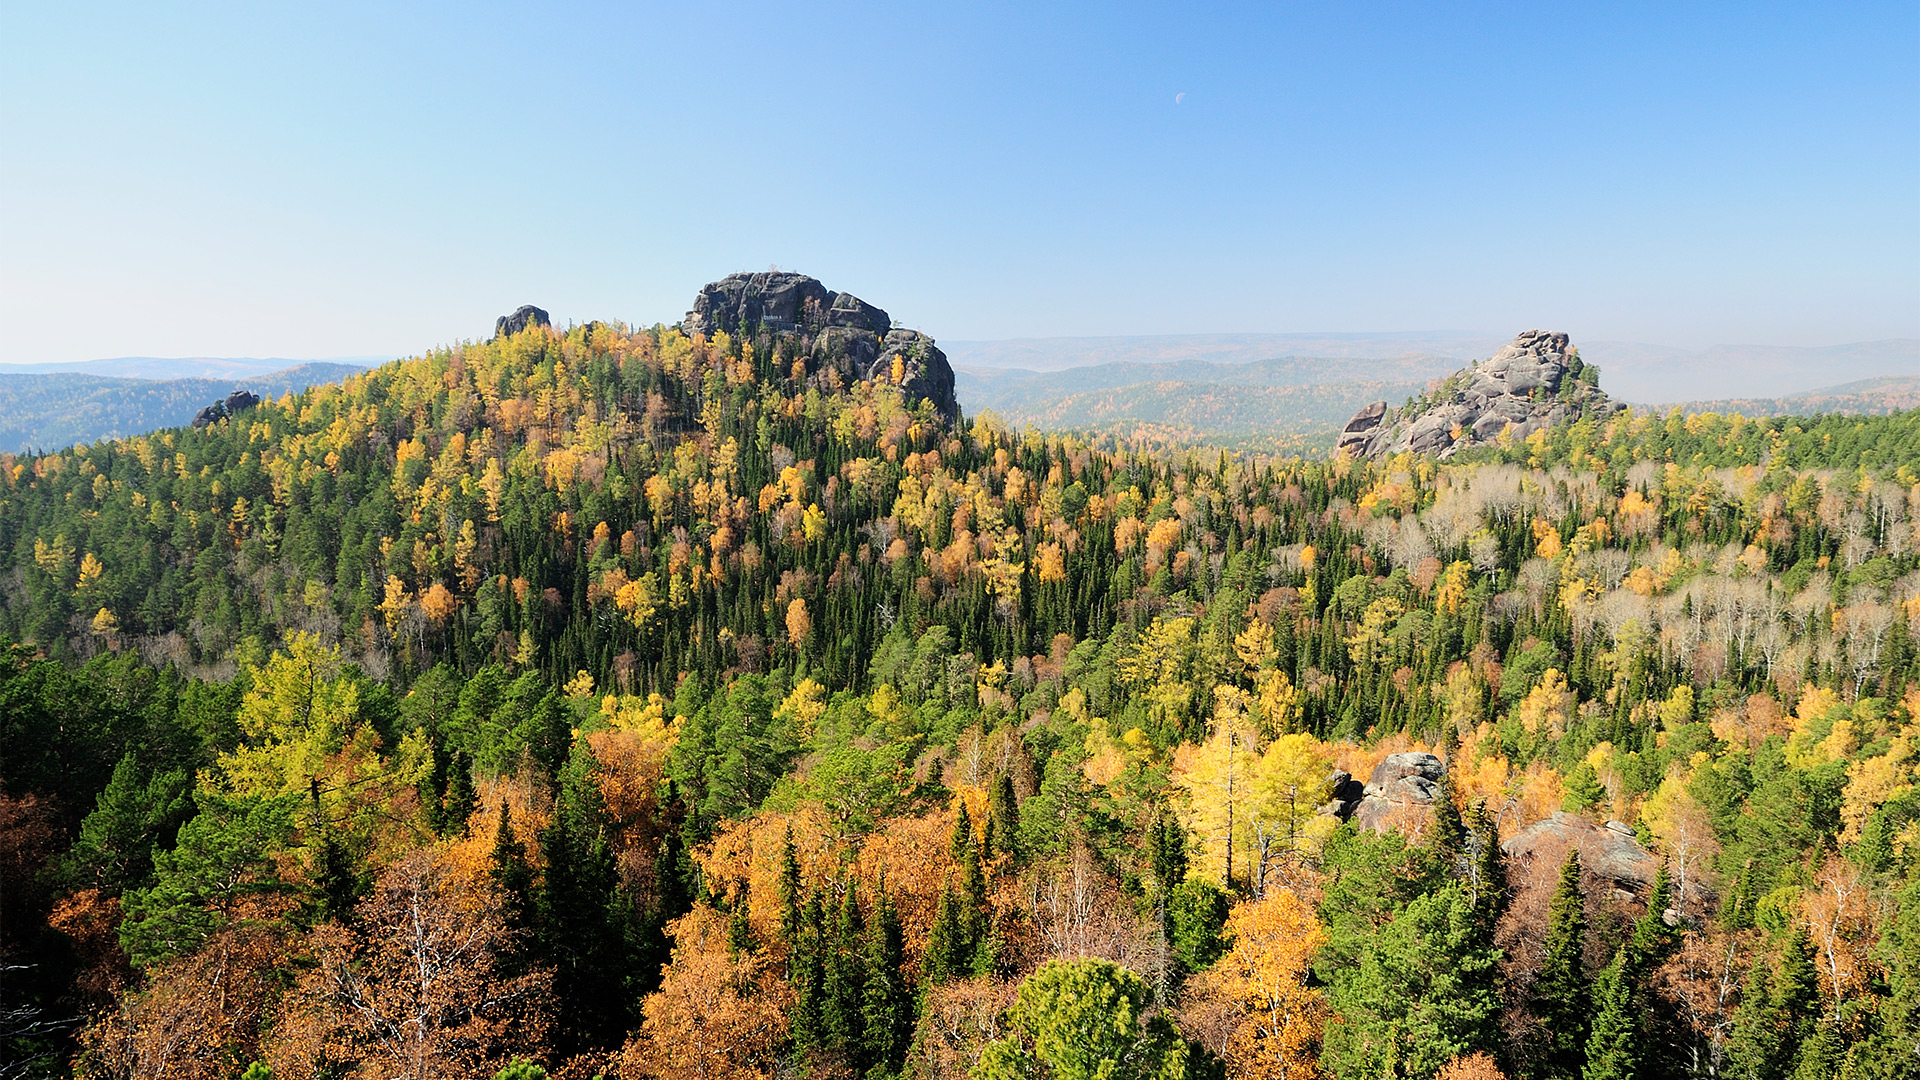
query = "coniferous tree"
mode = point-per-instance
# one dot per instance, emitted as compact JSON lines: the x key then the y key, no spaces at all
{"x":946,"y":956}
{"x":512,"y":875}
{"x":1560,"y":991}
{"x":1613,"y":1044}
{"x":806,"y":1020}
{"x":886,"y":1005}
{"x":790,"y":899}
{"x":1756,"y":1048}
{"x":842,"y":1019}
{"x":578,"y":908}
{"x":1004,"y":812}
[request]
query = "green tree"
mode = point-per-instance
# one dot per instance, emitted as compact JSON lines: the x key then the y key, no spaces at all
{"x":886,"y":1006}
{"x":842,"y":1017}
{"x":1196,"y":914}
{"x":226,"y":853}
{"x":1613,"y":1045}
{"x":1560,"y":990}
{"x":1421,"y":994}
{"x":1082,"y":1020}
{"x":136,"y":814}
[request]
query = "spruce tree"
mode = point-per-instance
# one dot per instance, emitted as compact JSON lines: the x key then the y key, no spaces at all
{"x":1755,"y":1049}
{"x":946,"y":955}
{"x":1004,"y":811}
{"x":789,"y":892}
{"x":807,"y":969}
{"x":1560,"y":994}
{"x":512,"y":875}
{"x":886,"y":1006}
{"x":1613,"y":1046}
{"x":461,"y":798}
{"x":841,"y":1018}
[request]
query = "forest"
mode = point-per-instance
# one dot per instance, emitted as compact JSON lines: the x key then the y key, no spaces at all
{"x":614,"y":702}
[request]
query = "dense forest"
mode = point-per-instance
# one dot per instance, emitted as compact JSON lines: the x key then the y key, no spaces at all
{"x":617,"y":702}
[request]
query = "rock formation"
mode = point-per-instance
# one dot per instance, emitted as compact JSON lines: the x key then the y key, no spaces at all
{"x":835,"y":331}
{"x":1610,"y":851}
{"x":239,"y":399}
{"x":1401,"y":784}
{"x":523,"y":316}
{"x":1537,"y":381}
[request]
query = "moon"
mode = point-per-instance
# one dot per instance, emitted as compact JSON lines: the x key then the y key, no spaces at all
{"x":1179,"y":97}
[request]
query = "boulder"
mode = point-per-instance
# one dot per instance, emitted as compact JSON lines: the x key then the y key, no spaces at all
{"x":240,"y":399}
{"x":212,"y":414}
{"x":834,"y":330}
{"x":1343,"y":794}
{"x":1608,"y":851}
{"x":523,"y":316}
{"x":1364,"y":421}
{"x":1401,"y":782}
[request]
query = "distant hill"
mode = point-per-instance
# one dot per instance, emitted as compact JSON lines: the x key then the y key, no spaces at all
{"x":1056,"y":354}
{"x":54,"y":411}
{"x":188,"y":367}
{"x":1287,"y":403}
{"x":1870,"y":397}
{"x":1657,"y":373}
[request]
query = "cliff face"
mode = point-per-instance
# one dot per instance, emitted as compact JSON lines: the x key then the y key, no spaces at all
{"x":1536,"y":381}
{"x":834,"y":330}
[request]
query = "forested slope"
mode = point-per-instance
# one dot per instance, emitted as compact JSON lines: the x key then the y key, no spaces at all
{"x":654,"y":705}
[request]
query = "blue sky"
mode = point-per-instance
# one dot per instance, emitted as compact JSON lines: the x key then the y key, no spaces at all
{"x":328,"y":180}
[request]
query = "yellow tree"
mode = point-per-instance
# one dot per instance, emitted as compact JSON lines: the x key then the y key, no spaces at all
{"x":1275,"y":1018}
{"x":1288,"y":786}
{"x":1216,"y":777}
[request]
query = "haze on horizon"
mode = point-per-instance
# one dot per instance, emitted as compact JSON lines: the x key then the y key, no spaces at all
{"x":232,"y":181}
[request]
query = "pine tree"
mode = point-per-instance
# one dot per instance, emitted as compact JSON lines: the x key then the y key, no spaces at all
{"x":886,"y":1006}
{"x":1560,"y":992}
{"x":1613,"y":1046}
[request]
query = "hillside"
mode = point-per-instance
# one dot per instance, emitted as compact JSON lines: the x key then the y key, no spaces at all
{"x":716,"y":699}
{"x":50,"y":411}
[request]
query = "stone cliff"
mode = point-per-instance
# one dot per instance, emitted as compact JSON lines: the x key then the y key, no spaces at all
{"x":835,"y":331}
{"x":1535,"y":382}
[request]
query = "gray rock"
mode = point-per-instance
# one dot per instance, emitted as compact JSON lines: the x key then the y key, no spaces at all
{"x":835,"y":330}
{"x":240,"y":399}
{"x":1403,"y":781}
{"x":1525,"y":384}
{"x":1607,"y":851}
{"x":523,"y":316}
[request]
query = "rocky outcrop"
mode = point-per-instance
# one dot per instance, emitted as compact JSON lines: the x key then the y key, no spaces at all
{"x":523,"y":316}
{"x":1536,"y":381}
{"x":834,"y":331}
{"x":219,"y":410}
{"x":1610,"y":851}
{"x":1401,"y":784}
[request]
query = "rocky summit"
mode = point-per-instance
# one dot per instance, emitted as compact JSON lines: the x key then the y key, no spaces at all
{"x":837,"y":331}
{"x":1536,"y":381}
{"x":523,"y":316}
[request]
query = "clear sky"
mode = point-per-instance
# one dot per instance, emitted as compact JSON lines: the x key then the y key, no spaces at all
{"x":338,"y":179}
